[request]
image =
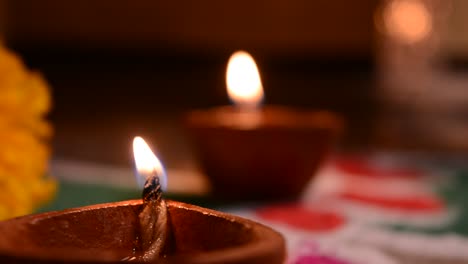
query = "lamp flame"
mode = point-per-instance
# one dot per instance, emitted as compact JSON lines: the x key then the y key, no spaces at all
{"x":147,"y":164}
{"x":243,"y":82}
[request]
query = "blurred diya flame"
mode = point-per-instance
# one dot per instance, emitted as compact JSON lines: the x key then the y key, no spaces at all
{"x":24,"y":136}
{"x":243,"y":82}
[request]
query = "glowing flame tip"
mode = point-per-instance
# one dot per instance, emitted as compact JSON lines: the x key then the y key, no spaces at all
{"x":243,"y":81}
{"x":147,"y":164}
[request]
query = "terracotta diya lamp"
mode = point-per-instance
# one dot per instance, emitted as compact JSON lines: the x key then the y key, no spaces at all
{"x":259,"y":153}
{"x":106,"y":233}
{"x":150,"y":230}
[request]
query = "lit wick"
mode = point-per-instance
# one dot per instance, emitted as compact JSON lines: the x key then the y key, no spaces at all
{"x":153,"y":217}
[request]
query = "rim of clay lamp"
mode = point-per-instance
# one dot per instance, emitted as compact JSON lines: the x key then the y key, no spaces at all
{"x":262,"y":244}
{"x":271,"y":116}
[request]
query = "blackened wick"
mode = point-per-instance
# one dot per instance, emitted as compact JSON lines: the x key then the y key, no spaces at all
{"x":152,"y":189}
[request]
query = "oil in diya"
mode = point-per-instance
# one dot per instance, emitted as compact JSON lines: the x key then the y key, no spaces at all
{"x":255,"y":152}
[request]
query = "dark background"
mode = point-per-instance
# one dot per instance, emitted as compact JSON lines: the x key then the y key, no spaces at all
{"x":121,"y":68}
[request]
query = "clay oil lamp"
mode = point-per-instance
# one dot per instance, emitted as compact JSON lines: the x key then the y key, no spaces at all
{"x":149,"y":230}
{"x":255,"y":152}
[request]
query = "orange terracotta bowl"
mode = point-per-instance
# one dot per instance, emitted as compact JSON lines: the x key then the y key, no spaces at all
{"x":107,"y":233}
{"x":268,"y":156}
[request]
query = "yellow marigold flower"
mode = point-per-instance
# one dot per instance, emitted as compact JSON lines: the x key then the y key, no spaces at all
{"x":24,"y":135}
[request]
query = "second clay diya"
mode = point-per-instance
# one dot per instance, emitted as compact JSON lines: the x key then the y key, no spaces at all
{"x":255,"y":152}
{"x":273,"y":159}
